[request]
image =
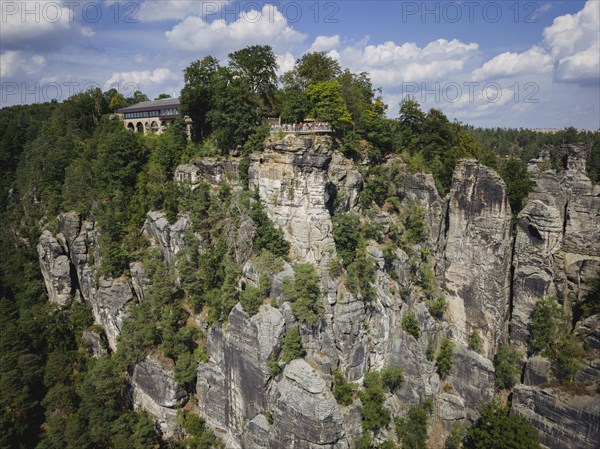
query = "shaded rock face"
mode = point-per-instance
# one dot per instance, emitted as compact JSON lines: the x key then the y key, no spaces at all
{"x":110,"y":306}
{"x":70,"y":261}
{"x":232,"y":386}
{"x":563,"y":421}
{"x":474,"y":254}
{"x":420,"y":188}
{"x":539,"y":238}
{"x":557,"y":249}
{"x":538,"y":371}
{"x":56,"y":269}
{"x":211,"y":169}
{"x":305,"y":413}
{"x":95,"y":343}
{"x":169,"y":238}
{"x":155,"y":391}
{"x":473,"y":377}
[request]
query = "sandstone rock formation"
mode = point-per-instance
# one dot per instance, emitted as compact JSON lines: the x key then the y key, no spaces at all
{"x":155,"y":391}
{"x":563,"y":421}
{"x":490,"y":278}
{"x":474,"y":255}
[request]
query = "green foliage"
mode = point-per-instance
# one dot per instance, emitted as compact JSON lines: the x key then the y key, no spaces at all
{"x":475,"y":341}
{"x":267,"y":235}
{"x":547,"y":325}
{"x":361,"y":274}
{"x":346,"y":234}
{"x":257,"y":65}
{"x":374,"y":414}
{"x":437,"y":306}
{"x":251,"y":299}
{"x":412,"y":429}
{"x":365,"y":441}
{"x":506,"y":366}
{"x":382,"y":184}
{"x":199,"y":435}
{"x":427,"y":282}
{"x":310,"y":69}
{"x":134,"y":431}
{"x":430,"y":351}
{"x":328,"y":105}
{"x":518,"y":183}
{"x":197,"y":95}
{"x":274,"y":367}
{"x":296,"y":106}
{"x":411,"y":325}
{"x":392,"y":378}
{"x":497,"y":429}
{"x":304,"y":294}
{"x":236,"y":111}
{"x":388,"y":444}
{"x":445,"y":357}
{"x":568,"y":358}
{"x":436,"y":141}
{"x":343,"y":391}
{"x":457,"y":433}
{"x":291,"y":348}
{"x":413,"y":220}
{"x":335,"y":267}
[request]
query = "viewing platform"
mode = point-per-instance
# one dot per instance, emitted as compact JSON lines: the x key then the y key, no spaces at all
{"x":302,"y":128}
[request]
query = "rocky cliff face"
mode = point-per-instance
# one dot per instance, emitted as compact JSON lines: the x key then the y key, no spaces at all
{"x":154,"y":390}
{"x":563,"y":421}
{"x":490,"y":280}
{"x":73,"y":267}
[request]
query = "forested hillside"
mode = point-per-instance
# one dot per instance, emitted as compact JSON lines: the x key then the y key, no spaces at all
{"x":382,"y":250}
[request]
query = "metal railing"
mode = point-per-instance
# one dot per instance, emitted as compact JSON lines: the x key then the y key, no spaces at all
{"x":301,"y":128}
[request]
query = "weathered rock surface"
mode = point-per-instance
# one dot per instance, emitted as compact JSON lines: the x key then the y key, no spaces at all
{"x":169,"y":238}
{"x":474,"y":257}
{"x":110,"y":306}
{"x":420,"y":188}
{"x":563,"y":421}
{"x":155,"y":391}
{"x":71,"y":261}
{"x":473,"y":377}
{"x":56,"y":269}
{"x":232,"y":386}
{"x":291,"y":178}
{"x":305,"y":413}
{"x":95,"y":343}
{"x":538,"y":371}
{"x":213,"y":170}
{"x":539,"y":238}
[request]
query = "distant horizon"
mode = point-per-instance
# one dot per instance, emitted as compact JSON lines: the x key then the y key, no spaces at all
{"x":488,"y":64}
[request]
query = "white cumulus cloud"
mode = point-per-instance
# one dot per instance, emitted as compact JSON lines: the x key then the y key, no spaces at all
{"x":39,"y":25}
{"x":325,"y":43}
{"x":571,"y":33}
{"x":508,"y":64}
{"x":390,"y":64}
{"x":285,"y":63}
{"x":17,"y":63}
{"x":144,"y":80}
{"x":252,"y":27}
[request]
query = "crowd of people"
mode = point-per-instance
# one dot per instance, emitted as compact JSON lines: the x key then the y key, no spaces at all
{"x":301,"y":127}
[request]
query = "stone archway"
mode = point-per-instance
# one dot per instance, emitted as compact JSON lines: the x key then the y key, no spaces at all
{"x":154,"y":127}
{"x":140,"y":127}
{"x":130,"y":127}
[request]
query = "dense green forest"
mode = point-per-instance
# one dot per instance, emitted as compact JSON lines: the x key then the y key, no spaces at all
{"x":73,"y":156}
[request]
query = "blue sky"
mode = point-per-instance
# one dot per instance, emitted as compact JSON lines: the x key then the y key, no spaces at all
{"x":486,"y":63}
